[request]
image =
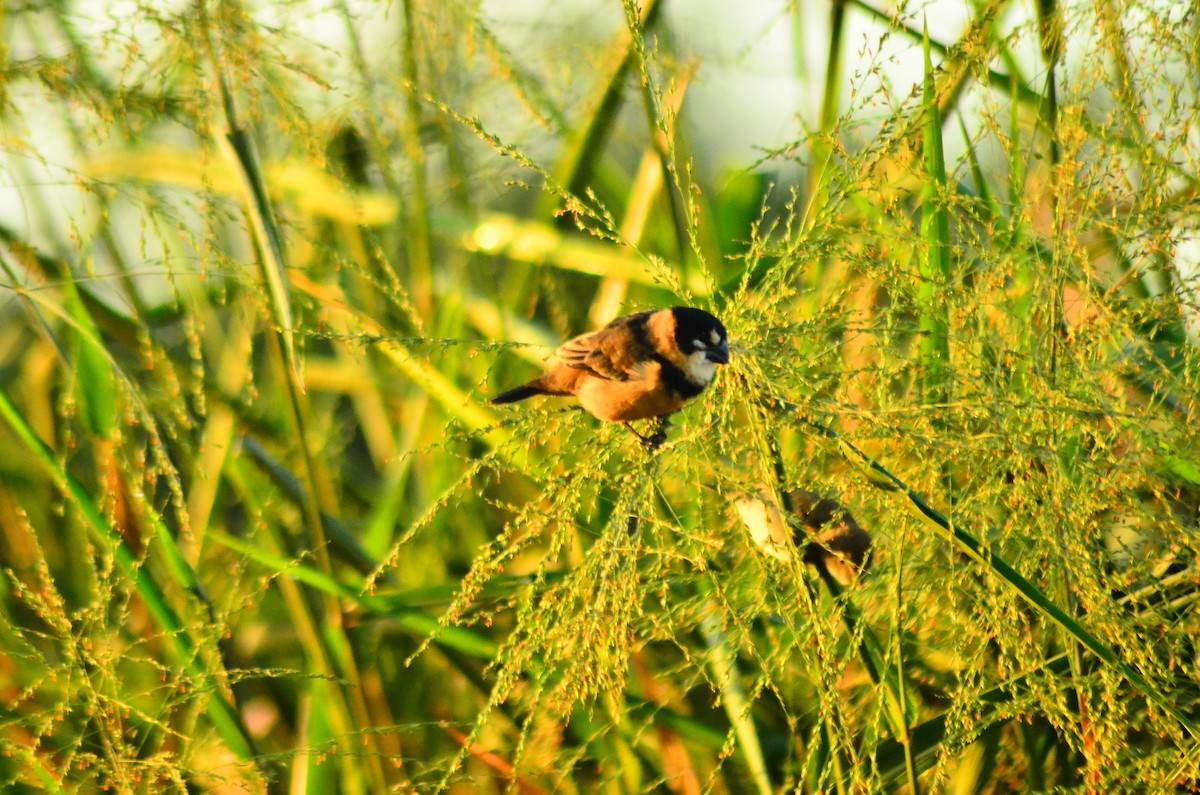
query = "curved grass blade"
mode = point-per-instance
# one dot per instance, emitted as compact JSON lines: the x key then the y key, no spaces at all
{"x":271,"y":260}
{"x":543,"y":244}
{"x":407,"y":617}
{"x":974,"y":549}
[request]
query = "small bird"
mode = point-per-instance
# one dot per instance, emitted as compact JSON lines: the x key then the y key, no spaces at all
{"x":832,"y":541}
{"x":644,"y":365}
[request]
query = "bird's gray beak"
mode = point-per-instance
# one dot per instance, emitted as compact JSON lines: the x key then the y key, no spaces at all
{"x":719,"y":354}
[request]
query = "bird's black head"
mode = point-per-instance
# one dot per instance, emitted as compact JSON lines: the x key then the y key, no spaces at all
{"x":698,"y":331}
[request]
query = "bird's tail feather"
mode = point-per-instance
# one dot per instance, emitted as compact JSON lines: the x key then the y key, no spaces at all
{"x":516,"y":393}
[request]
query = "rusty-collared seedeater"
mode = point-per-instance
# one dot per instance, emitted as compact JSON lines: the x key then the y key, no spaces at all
{"x":640,"y":366}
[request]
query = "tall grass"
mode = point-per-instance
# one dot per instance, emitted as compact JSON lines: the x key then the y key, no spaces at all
{"x":261,"y":532}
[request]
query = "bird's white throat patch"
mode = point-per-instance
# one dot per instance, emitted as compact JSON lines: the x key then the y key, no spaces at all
{"x":699,"y":368}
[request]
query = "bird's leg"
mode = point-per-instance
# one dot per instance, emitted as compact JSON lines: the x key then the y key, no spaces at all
{"x":641,"y":438}
{"x":656,"y":439}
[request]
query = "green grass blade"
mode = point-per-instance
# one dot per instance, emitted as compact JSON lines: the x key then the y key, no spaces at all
{"x":272,"y":259}
{"x":723,"y":663}
{"x":821,"y":172}
{"x":990,"y":209}
{"x":313,"y":770}
{"x":586,"y":145}
{"x":95,"y":386}
{"x":933,"y":322}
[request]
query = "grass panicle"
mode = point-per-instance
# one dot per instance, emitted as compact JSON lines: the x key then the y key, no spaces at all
{"x":261,"y":267}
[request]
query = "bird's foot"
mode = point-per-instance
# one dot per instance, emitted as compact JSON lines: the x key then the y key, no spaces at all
{"x":654,"y":440}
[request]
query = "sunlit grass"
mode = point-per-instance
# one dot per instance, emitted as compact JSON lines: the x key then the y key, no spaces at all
{"x":260,"y":530}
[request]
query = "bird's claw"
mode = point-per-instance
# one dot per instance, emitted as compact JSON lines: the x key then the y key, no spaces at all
{"x":654,"y":440}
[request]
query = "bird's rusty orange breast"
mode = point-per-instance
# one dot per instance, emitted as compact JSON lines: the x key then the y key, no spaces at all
{"x":623,"y":401}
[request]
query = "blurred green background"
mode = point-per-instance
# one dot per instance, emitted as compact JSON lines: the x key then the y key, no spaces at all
{"x":262,"y":263}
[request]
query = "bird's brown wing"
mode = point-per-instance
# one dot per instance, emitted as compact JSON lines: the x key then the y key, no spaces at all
{"x":617,"y":352}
